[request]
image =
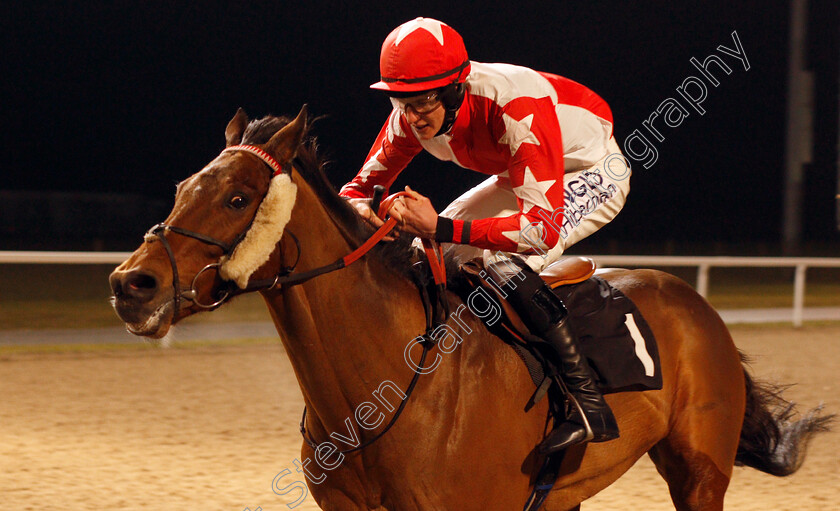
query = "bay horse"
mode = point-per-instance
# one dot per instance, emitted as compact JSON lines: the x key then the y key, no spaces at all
{"x":464,"y":440}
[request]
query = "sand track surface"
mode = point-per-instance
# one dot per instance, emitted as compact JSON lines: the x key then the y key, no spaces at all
{"x":210,"y":428}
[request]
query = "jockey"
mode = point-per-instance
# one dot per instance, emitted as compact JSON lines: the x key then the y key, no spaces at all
{"x":556,"y":176}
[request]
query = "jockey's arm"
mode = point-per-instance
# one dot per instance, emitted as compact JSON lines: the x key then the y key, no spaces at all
{"x":392,"y":150}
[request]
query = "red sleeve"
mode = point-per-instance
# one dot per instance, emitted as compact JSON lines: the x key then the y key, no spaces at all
{"x":528,"y":130}
{"x":394,"y":147}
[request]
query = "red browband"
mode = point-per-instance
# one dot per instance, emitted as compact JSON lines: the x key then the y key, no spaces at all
{"x":261,"y":154}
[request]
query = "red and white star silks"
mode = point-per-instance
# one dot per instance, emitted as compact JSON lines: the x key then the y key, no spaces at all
{"x":521,"y":125}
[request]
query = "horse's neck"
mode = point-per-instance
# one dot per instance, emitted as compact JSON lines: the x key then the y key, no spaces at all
{"x":344,"y":331}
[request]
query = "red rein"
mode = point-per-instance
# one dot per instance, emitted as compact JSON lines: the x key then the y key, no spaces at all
{"x":430,"y":246}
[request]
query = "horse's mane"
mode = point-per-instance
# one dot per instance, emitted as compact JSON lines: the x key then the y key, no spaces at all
{"x":397,"y":255}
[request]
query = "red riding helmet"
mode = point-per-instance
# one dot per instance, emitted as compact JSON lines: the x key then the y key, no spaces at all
{"x":420,"y":55}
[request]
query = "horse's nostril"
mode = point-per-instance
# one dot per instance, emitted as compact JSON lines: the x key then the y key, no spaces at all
{"x":134,"y":285}
{"x":141,"y":282}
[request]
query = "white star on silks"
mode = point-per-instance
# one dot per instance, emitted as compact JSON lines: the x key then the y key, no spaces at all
{"x":532,"y":192}
{"x":373,"y":165}
{"x":431,"y":26}
{"x":534,"y":235}
{"x":518,"y":132}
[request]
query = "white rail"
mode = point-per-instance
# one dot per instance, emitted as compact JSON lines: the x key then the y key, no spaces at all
{"x":34,"y":257}
{"x":703,"y":265}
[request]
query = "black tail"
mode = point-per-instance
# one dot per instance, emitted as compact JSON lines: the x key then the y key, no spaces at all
{"x":770,"y":441}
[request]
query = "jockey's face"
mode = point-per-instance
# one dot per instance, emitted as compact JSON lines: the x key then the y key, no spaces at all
{"x":424,"y":112}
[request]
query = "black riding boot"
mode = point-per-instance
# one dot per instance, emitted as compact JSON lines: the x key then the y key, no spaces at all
{"x":591,"y":419}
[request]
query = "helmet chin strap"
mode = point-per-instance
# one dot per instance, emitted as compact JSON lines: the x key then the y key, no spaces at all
{"x":448,"y":122}
{"x":452,"y":97}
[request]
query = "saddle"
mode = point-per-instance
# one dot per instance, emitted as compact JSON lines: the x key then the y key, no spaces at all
{"x":564,"y":272}
{"x":612,"y":332}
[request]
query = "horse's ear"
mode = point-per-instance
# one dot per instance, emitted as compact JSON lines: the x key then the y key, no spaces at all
{"x":284,"y":144}
{"x":235,"y":128}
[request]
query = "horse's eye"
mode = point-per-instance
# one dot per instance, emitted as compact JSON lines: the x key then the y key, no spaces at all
{"x":238,"y":202}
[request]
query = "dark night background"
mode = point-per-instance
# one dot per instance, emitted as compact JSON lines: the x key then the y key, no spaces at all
{"x":128,"y":98}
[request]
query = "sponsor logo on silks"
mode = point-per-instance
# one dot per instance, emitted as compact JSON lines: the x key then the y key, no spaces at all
{"x":582,"y":195}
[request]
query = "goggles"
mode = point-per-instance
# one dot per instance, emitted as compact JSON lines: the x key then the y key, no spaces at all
{"x":421,"y":105}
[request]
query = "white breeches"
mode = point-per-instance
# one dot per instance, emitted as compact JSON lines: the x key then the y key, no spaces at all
{"x":593,"y":197}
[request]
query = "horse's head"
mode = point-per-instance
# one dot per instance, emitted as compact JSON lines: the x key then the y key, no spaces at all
{"x":226,"y":223}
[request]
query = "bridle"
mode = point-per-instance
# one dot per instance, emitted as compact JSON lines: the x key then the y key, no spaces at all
{"x":158,"y":233}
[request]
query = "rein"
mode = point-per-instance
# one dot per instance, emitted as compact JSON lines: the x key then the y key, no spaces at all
{"x":289,"y":278}
{"x":432,"y":249}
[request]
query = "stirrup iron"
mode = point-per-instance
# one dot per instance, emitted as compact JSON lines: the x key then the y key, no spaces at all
{"x":590,"y":434}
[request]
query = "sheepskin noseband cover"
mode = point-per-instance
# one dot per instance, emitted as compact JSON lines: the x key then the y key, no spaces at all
{"x":265,"y":232}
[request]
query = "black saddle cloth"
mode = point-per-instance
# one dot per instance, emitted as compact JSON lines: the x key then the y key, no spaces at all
{"x":613,"y":335}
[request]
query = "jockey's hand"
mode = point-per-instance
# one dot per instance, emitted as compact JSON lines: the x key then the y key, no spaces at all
{"x":415,"y":215}
{"x":362,"y":206}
